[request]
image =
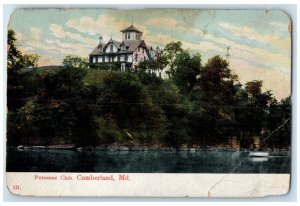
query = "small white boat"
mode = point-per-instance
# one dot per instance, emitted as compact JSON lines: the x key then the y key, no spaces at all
{"x":258,"y":154}
{"x":20,"y":148}
{"x":259,"y":159}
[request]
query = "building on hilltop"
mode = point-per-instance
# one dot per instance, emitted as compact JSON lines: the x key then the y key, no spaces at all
{"x":126,"y":54}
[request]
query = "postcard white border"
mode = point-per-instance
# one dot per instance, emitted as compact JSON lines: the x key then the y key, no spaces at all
{"x":292,"y":11}
{"x":147,"y":185}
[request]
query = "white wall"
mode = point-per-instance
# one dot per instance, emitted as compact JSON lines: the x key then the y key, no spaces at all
{"x":140,"y":55}
{"x":132,"y":35}
{"x":129,"y":58}
{"x":115,"y":49}
{"x":122,"y":57}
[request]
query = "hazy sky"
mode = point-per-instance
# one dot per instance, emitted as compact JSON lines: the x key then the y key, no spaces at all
{"x":259,"y":40}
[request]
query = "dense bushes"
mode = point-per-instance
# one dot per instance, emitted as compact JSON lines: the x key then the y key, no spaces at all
{"x":197,"y":104}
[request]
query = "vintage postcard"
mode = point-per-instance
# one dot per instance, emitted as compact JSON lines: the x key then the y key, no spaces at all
{"x":148,"y":102}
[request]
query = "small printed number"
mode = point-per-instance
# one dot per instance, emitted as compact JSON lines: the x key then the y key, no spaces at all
{"x":16,"y":187}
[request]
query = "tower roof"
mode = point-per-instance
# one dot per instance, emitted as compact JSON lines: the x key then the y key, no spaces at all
{"x":131,"y":28}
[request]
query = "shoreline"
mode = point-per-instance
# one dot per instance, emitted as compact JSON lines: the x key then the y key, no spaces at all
{"x":140,"y":148}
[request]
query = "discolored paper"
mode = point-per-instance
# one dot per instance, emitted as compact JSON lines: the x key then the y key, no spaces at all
{"x":148,"y":103}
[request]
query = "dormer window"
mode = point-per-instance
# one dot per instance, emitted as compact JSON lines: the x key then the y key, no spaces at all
{"x":99,"y":48}
{"x":123,"y":47}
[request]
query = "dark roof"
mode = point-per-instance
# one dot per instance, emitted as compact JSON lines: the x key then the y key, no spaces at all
{"x":131,"y":46}
{"x":131,"y":28}
{"x":116,"y":43}
{"x":98,"y":49}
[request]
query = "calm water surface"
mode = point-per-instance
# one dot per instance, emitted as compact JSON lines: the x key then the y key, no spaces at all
{"x":145,"y":161}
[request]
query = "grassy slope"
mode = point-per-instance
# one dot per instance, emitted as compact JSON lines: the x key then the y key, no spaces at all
{"x":91,"y":76}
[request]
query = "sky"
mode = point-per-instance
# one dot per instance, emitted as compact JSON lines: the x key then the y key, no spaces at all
{"x":259,"y":40}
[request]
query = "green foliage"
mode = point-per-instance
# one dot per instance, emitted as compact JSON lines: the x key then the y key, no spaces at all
{"x":161,"y":62}
{"x":74,"y":61}
{"x":107,"y":66}
{"x":278,"y":124}
{"x":31,"y":60}
{"x":172,"y":49}
{"x":213,"y":99}
{"x":197,"y":104}
{"x":16,"y":63}
{"x":185,"y":70}
{"x":170,"y":52}
{"x":14,"y":56}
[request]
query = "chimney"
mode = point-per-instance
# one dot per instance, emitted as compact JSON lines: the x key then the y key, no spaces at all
{"x":100,"y":39}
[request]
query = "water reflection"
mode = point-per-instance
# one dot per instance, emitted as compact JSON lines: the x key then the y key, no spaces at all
{"x":259,"y":159}
{"x":145,"y":162}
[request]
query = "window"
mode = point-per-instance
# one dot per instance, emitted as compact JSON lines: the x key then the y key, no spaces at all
{"x":111,"y":48}
{"x":128,"y":35}
{"x":129,"y":57}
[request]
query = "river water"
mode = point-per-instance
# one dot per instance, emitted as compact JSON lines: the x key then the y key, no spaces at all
{"x":52,"y":160}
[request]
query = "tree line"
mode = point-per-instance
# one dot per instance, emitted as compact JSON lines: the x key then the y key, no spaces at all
{"x":198,"y":104}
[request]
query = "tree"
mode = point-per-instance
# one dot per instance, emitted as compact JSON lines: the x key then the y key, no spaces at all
{"x":252,"y":117}
{"x":170,"y":52}
{"x":213,"y":99}
{"x":126,"y":100}
{"x":74,"y":61}
{"x":15,"y":65}
{"x":278,"y":124}
{"x":185,"y":71}
{"x":176,"y":112}
{"x":172,"y":49}
{"x":31,"y":60}
{"x":197,"y":104}
{"x":160,"y":62}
